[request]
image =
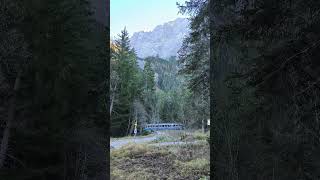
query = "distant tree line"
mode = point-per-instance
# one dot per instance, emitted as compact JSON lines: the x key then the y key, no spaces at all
{"x":152,"y":94}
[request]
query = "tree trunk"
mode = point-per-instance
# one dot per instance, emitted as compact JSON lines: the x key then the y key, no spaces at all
{"x":11,"y":113}
{"x":202,"y":126}
{"x":112,"y":98}
{"x":128,"y":128}
{"x":131,"y":126}
{"x":111,"y":104}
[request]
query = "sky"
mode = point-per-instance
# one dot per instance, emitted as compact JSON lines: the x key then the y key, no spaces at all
{"x":141,"y":15}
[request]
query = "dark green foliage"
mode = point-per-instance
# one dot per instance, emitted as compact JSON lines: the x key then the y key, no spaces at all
{"x":194,"y":61}
{"x":123,"y":44}
{"x":172,"y":101}
{"x":148,"y":77}
{"x":61,"y":116}
{"x":194,"y":54}
{"x":284,"y":76}
{"x":167,"y":73}
{"x":145,"y":133}
{"x":264,"y":82}
{"x":126,"y":86}
{"x":263,"y":64}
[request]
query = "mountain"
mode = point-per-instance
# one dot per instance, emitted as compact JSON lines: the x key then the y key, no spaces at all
{"x":164,"y":40}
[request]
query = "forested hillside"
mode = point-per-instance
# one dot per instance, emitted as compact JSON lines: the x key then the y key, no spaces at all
{"x":156,"y":93}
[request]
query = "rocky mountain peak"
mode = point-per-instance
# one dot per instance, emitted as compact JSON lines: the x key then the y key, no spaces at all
{"x":164,"y":40}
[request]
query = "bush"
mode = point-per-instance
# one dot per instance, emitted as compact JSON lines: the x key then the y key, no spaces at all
{"x":194,"y":167}
{"x":164,"y":139}
{"x":200,"y":136}
{"x":130,"y":151}
{"x":145,"y":133}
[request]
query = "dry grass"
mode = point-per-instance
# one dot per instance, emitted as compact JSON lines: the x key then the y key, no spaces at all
{"x":196,"y":136}
{"x":141,"y":162}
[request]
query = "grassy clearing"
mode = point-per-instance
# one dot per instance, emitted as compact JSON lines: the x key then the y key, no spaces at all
{"x":201,"y":136}
{"x":197,"y":166}
{"x":174,"y":136}
{"x":165,"y":139}
{"x":171,"y":162}
{"x":196,"y":136}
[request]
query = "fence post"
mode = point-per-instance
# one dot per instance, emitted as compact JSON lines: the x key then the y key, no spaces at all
{"x":135,"y":129}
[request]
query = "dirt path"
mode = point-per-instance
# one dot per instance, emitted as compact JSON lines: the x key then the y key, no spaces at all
{"x":118,"y":143}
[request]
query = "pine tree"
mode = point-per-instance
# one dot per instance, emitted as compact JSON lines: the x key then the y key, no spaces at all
{"x":123,"y":44}
{"x":194,"y":57}
{"x":62,"y":98}
{"x":125,"y":66}
{"x":149,"y":77}
{"x":14,"y":56}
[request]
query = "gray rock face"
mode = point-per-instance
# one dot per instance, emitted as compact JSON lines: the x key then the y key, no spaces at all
{"x":164,"y":40}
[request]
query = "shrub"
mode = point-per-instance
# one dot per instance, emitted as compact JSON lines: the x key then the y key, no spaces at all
{"x":145,"y":133}
{"x":193,"y":168}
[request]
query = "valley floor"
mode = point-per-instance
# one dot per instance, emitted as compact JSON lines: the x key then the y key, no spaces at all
{"x":163,"y":158}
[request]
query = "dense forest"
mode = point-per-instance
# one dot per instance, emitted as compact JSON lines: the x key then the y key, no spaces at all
{"x":53,"y":86}
{"x":158,"y":92}
{"x":255,"y":59}
{"x":264,"y":84}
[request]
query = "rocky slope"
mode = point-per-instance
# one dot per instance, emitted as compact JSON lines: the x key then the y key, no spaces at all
{"x":164,"y":40}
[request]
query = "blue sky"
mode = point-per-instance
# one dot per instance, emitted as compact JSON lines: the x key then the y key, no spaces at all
{"x":141,"y":15}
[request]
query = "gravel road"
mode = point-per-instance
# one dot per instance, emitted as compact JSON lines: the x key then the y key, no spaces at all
{"x":115,"y":144}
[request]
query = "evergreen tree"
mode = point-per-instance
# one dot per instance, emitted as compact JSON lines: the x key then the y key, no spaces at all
{"x":14,"y":56}
{"x":61,"y":114}
{"x":123,"y":44}
{"x":149,"y":77}
{"x":194,"y":58}
{"x":263,"y":75}
{"x":129,"y":87}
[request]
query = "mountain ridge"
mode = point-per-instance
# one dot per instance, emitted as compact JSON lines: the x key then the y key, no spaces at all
{"x":164,"y":40}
